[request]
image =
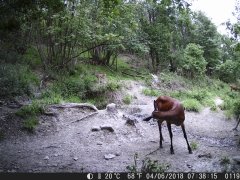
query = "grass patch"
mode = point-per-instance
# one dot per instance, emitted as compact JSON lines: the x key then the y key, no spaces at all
{"x":194,"y":145}
{"x":33,"y":109}
{"x":127,"y":99}
{"x":148,"y":165}
{"x":224,"y":160}
{"x":153,"y":166}
{"x":192,"y":105}
{"x":16,"y":79}
{"x":30,"y":123}
{"x":150,"y":92}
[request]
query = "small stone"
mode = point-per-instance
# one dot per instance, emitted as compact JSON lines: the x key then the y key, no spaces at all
{"x":117,"y":154}
{"x":111,"y":107}
{"x":107,"y":127}
{"x":153,"y":141}
{"x":189,"y":166}
{"x":94,"y":129}
{"x":131,"y":120}
{"x":46,"y":158}
{"x":99,"y":143}
{"x":55,"y":155}
{"x":109,"y":156}
{"x":207,"y":155}
{"x":75,"y":158}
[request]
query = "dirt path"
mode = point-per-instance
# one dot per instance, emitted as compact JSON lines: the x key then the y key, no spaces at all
{"x":105,"y":143}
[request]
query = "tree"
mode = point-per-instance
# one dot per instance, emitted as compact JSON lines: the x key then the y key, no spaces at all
{"x":193,"y":64}
{"x":206,"y":35}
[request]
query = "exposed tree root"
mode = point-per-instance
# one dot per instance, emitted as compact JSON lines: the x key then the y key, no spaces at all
{"x":74,"y":105}
{"x":87,"y":116}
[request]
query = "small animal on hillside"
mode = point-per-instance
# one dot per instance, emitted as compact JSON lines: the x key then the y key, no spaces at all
{"x":101,"y":77}
{"x":234,"y":87}
{"x":172,"y":111}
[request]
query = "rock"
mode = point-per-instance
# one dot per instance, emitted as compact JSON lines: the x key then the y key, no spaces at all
{"x":207,"y":155}
{"x":95,"y":129}
{"x":107,"y":127}
{"x":109,"y":156}
{"x":131,"y":120}
{"x":155,"y":78}
{"x":111,"y":107}
{"x":75,"y":158}
{"x":236,"y":159}
{"x":46,"y":158}
{"x":118,"y":154}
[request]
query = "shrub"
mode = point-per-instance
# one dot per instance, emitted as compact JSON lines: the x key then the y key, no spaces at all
{"x":127,"y":99}
{"x":148,"y":165}
{"x":150,"y":92}
{"x":15,"y":80}
{"x":227,"y":71}
{"x":30,"y":123}
{"x":33,"y":109}
{"x":194,"y":145}
{"x":193,"y":63}
{"x":153,"y":166}
{"x":192,"y":105}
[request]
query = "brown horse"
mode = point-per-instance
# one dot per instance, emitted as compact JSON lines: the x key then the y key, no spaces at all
{"x":172,"y":111}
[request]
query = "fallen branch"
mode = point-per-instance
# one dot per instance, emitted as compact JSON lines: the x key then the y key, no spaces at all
{"x":87,"y":116}
{"x":74,"y":105}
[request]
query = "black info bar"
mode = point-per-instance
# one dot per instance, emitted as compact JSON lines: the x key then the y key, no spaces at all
{"x":127,"y":176}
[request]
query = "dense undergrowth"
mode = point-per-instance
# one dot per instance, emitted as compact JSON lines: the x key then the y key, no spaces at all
{"x":82,"y":85}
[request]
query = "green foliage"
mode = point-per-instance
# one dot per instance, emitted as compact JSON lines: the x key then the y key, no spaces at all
{"x":133,"y":168}
{"x":127,"y":99}
{"x":31,"y":58}
{"x":33,"y":109}
{"x":194,"y":63}
{"x":148,"y":165}
{"x":206,"y":35}
{"x":231,"y":105}
{"x":192,"y":105}
{"x":153,"y":166}
{"x":194,"y":145}
{"x":150,"y":92}
{"x":227,"y":71}
{"x":16,"y":80}
{"x":30,"y":123}
{"x":224,"y":160}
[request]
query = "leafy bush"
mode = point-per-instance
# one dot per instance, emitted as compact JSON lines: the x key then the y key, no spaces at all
{"x":15,"y":80}
{"x":192,"y":105}
{"x":33,"y":109}
{"x":148,"y":165}
{"x":30,"y":123}
{"x":227,"y":71}
{"x":153,"y":166}
{"x":127,"y":99}
{"x":150,"y":92}
{"x":31,"y":58}
{"x":194,"y":145}
{"x":193,"y":63}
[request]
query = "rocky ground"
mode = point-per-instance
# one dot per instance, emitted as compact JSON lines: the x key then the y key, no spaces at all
{"x":81,"y":139}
